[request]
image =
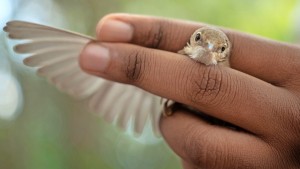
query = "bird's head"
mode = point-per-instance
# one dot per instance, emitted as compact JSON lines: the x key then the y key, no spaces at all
{"x":213,"y":41}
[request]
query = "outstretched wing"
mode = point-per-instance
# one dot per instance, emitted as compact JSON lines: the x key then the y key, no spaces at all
{"x":55,"y":53}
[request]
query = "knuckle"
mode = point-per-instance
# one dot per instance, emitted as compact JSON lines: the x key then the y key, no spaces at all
{"x":206,"y":87}
{"x":200,"y":149}
{"x":134,"y":69}
{"x":153,"y":37}
{"x":194,"y":148}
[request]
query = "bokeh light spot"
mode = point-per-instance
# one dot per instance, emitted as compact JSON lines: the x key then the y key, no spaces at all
{"x":5,"y":11}
{"x":10,"y":100}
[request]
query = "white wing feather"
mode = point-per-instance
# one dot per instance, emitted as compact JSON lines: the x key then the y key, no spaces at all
{"x":55,"y":53}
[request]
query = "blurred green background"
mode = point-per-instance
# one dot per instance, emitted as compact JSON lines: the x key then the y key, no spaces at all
{"x":42,"y":128}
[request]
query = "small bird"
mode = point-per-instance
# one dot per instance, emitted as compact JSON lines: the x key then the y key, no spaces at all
{"x":207,"y":45}
{"x":55,"y":53}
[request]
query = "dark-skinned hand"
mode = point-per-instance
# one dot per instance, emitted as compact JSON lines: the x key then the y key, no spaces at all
{"x":260,"y":93}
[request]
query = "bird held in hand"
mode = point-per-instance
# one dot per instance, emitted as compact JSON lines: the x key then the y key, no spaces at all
{"x":207,"y":45}
{"x":55,"y":53}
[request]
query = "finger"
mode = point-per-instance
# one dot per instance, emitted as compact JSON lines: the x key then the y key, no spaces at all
{"x":268,"y":60}
{"x":211,"y":89}
{"x":209,"y":146}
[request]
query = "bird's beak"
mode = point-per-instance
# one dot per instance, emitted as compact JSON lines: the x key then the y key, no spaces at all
{"x":210,"y":46}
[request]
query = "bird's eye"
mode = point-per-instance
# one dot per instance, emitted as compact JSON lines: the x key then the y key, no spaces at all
{"x":198,"y":37}
{"x":223,"y":49}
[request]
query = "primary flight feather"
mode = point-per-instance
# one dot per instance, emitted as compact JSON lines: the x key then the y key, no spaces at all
{"x":55,"y":53}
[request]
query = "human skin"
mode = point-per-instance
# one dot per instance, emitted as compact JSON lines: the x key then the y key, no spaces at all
{"x":259,"y":93}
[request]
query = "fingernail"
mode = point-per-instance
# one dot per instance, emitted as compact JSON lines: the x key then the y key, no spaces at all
{"x":115,"y":31}
{"x":95,"y":58}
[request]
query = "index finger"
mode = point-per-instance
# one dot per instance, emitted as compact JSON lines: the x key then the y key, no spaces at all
{"x":211,"y":89}
{"x":269,"y":60}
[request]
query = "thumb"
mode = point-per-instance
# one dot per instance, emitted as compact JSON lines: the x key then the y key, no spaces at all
{"x":153,"y":70}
